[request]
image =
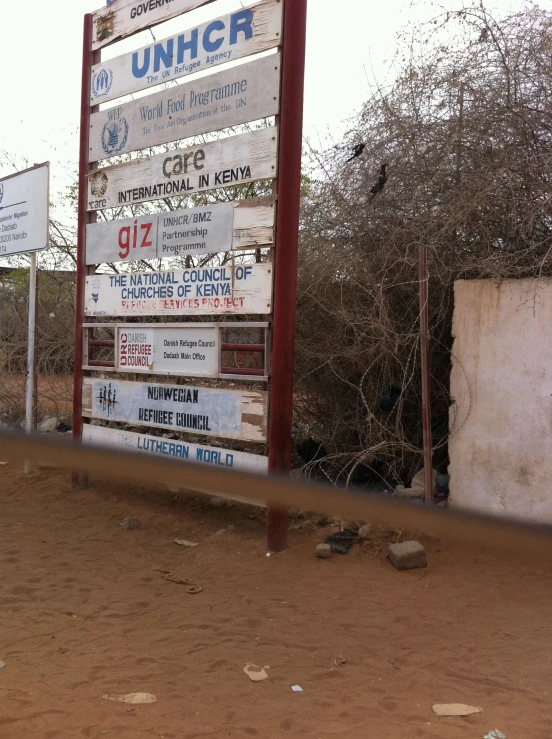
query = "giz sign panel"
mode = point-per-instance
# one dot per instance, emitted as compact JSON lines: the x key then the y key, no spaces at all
{"x":125,"y":17}
{"x":131,"y":441}
{"x":233,"y":414}
{"x":205,"y":230}
{"x":244,"y":288}
{"x":24,"y":209}
{"x":231,"y":161}
{"x":169,"y":349}
{"x":245,"y":93}
{"x":247,"y":31}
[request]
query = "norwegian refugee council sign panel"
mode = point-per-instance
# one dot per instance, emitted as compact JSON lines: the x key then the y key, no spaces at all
{"x":227,"y":97}
{"x":24,"y":211}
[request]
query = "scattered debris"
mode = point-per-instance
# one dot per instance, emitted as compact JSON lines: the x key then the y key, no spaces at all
{"x":496,"y":734}
{"x":323,"y":551}
{"x":417,"y":486}
{"x":133,"y":698}
{"x":63,"y":428}
{"x":297,"y":688}
{"x":173,"y":489}
{"x":184,"y":543}
{"x":407,"y":555}
{"x":364,"y":531}
{"x":192,"y":588}
{"x":341,"y":541}
{"x":255,"y":672}
{"x":395,"y":664}
{"x":3,"y":464}
{"x":48,"y":425}
{"x":131,"y":522}
{"x":2,"y":665}
{"x":340,"y":661}
{"x":455,"y":709}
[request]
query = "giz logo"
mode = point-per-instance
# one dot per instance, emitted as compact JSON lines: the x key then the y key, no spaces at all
{"x":129,"y":238}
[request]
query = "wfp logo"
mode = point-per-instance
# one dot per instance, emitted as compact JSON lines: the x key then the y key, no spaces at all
{"x":114,"y":136}
{"x":101,"y":82}
{"x":1,"y":191}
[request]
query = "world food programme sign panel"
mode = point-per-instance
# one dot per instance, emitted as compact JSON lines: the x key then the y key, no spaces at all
{"x":233,"y":414}
{"x":24,"y":203}
{"x":168,"y":349}
{"x":231,"y":161}
{"x":241,"y":289}
{"x":133,"y":442}
{"x":229,"y":37}
{"x":125,"y":17}
{"x":207,"y":230}
{"x":238,"y":95}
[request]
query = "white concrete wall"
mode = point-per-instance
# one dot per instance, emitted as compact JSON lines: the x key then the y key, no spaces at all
{"x":501,"y":421}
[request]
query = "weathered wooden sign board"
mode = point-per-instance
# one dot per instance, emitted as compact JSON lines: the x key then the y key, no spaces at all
{"x":233,"y":414}
{"x":244,"y":93}
{"x":241,"y":289}
{"x":228,"y":37}
{"x":188,"y":350}
{"x":131,"y":441}
{"x":207,"y":230}
{"x":125,"y":17}
{"x":230,"y":161}
{"x":24,"y":208}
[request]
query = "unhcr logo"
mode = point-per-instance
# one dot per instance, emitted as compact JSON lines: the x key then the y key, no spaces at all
{"x":101,"y":83}
{"x":114,"y":136}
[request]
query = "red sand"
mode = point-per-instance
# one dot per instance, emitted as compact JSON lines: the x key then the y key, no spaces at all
{"x":83,"y":613}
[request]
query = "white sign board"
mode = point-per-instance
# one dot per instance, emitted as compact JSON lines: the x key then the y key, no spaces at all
{"x":168,"y":349}
{"x":24,"y":211}
{"x":237,"y":95}
{"x":229,"y":37}
{"x":125,"y":17}
{"x":245,"y":288}
{"x":207,"y":230}
{"x":234,"y":414}
{"x":130,"y":441}
{"x":231,"y":161}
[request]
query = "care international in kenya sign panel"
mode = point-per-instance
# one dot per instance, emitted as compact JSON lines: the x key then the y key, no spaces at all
{"x":234,"y":414}
{"x":244,"y":93}
{"x":235,"y":160}
{"x":224,"y":39}
{"x":239,"y":289}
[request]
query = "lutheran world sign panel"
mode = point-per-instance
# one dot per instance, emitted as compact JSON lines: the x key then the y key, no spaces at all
{"x":245,"y":288}
{"x":244,"y":93}
{"x":229,"y":161}
{"x":229,"y":37}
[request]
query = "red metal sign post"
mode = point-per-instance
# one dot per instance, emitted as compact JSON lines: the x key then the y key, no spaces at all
{"x":285,"y":268}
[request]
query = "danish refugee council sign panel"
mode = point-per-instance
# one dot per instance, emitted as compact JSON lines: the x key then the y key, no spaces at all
{"x":131,"y":441}
{"x":230,"y":161}
{"x":228,"y":37}
{"x":206,"y":230}
{"x":193,"y":349}
{"x":125,"y":17}
{"x":234,"y":414}
{"x":24,"y":211}
{"x":244,"y":93}
{"x":242,"y":289}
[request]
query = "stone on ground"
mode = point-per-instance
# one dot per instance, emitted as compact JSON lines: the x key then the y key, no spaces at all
{"x":48,"y":425}
{"x":407,"y":555}
{"x":323,"y":551}
{"x":130,"y":523}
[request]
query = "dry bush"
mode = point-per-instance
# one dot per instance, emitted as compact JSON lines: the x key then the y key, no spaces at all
{"x":466,"y":132}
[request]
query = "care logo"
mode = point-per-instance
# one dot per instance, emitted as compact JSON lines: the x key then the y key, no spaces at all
{"x":1,"y":191}
{"x":101,"y":83}
{"x":114,"y":136}
{"x":98,"y":184}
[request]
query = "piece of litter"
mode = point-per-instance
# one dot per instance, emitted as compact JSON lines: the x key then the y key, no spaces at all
{"x":255,"y":673}
{"x":184,"y":543}
{"x":297,"y":688}
{"x":395,"y":664}
{"x":455,"y":709}
{"x":340,"y":661}
{"x":496,"y":734}
{"x":133,"y":698}
{"x":268,"y":554}
{"x":2,"y":665}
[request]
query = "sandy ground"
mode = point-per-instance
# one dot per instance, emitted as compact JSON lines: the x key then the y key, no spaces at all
{"x":83,"y":613}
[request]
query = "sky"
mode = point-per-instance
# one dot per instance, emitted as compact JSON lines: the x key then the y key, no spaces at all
{"x":350,"y":46}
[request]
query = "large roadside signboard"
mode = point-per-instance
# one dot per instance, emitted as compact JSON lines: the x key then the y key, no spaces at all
{"x":244,"y":93}
{"x":234,"y":414}
{"x":24,"y":208}
{"x":224,"y":39}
